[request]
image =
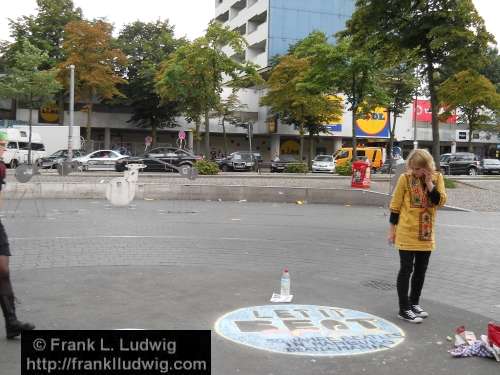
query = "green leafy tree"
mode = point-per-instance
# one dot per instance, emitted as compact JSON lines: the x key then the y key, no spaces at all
{"x":24,"y":81}
{"x":195,"y":74}
{"x":344,"y":68}
{"x":475,"y":98}
{"x":146,"y":45}
{"x":290,"y":98}
{"x":491,"y":69}
{"x":45,"y":30}
{"x":88,"y":46}
{"x":227,"y":111}
{"x":398,"y":83}
{"x":448,"y":36}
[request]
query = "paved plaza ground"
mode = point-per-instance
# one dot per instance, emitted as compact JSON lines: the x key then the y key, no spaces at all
{"x":81,"y":264}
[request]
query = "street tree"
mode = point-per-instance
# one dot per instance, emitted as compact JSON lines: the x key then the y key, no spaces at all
{"x":25,"y":81}
{"x":88,"y":46}
{"x":196,"y":73}
{"x":228,"y":112}
{"x":290,"y":97}
{"x":398,"y":83}
{"x":146,"y":45}
{"x":351,"y":71}
{"x":45,"y":31}
{"x":448,"y":36}
{"x":476,"y":100}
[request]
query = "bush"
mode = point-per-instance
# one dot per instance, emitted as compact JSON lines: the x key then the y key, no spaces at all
{"x":449,"y":184}
{"x":206,"y":167}
{"x":296,"y":168}
{"x":344,"y":170}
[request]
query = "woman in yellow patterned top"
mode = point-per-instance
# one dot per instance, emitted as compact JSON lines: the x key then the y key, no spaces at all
{"x":419,"y":192}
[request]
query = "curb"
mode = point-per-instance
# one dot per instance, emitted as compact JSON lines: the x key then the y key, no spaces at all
{"x":162,"y":191}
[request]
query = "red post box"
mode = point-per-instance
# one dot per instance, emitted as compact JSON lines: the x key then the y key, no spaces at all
{"x":360,"y":174}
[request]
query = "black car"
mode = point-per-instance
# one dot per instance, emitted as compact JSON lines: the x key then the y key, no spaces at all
{"x":240,"y":161}
{"x":490,"y":166}
{"x":280,"y":163}
{"x":57,"y":158}
{"x":460,"y":163}
{"x":161,"y":159}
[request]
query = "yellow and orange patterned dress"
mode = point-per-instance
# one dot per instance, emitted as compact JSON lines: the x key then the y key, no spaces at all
{"x":416,"y":208}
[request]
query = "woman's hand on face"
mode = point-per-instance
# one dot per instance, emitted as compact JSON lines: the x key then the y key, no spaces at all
{"x":428,"y":179}
{"x":391,"y":236}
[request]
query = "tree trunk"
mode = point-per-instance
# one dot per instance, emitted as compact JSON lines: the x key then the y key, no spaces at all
{"x":60,"y":105}
{"x":301,"y":139}
{"x":311,"y":150}
{"x":469,"y":142}
{"x":89,"y":128}
{"x":224,"y":136}
{"x":197,"y":143}
{"x":354,"y":139}
{"x":30,"y":129}
{"x":207,"y":135}
{"x":154,"y":134}
{"x":392,"y":131}
{"x":436,"y":144}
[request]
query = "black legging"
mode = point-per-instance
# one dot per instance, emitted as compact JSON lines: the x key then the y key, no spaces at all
{"x":416,"y":262}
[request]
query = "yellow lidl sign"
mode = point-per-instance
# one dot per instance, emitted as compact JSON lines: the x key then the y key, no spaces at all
{"x":374,"y":124}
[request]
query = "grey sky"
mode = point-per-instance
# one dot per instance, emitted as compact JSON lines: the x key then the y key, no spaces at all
{"x":190,"y":17}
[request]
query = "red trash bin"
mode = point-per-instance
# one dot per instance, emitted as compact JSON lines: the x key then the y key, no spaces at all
{"x":360,"y":174}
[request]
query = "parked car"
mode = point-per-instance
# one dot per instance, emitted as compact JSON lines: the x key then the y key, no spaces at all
{"x":460,"y":163}
{"x":99,"y":160}
{"x":240,"y":161}
{"x":376,"y":156}
{"x":323,"y":163}
{"x":395,"y":163}
{"x":280,"y":163}
{"x":490,"y":166}
{"x":53,"y":160}
{"x":161,"y":159}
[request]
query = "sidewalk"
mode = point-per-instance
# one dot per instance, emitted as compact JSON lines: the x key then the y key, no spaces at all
{"x":183,"y":265}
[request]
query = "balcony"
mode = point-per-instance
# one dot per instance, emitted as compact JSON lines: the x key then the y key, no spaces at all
{"x":223,"y":17}
{"x":257,"y":54}
{"x":236,"y":8}
{"x":242,"y":30}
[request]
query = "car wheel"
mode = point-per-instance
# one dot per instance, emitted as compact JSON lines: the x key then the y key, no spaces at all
{"x":13,"y":164}
{"x":225,"y":168}
{"x":472,"y":172}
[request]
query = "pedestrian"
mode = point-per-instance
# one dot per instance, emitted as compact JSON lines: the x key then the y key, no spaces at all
{"x":13,"y":327}
{"x":418,"y":193}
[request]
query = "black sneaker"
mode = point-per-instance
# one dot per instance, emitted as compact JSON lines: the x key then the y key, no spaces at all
{"x":409,"y":316}
{"x":419,"y":311}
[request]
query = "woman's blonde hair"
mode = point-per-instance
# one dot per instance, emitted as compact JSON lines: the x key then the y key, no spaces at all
{"x":420,"y":158}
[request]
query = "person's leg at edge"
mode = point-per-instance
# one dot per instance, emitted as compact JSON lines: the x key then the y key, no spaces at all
{"x":13,"y":327}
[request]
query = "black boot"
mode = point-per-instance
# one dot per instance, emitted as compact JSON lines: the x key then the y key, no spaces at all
{"x":13,"y":327}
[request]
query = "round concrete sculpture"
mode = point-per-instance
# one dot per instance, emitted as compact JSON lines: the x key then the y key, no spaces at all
{"x":120,"y":191}
{"x":25,"y":172}
{"x":309,"y":330}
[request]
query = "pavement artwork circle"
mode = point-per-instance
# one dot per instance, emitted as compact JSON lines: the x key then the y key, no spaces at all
{"x":309,"y":330}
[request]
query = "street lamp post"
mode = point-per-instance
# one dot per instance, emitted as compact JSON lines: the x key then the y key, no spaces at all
{"x":415,"y":141}
{"x":71,"y":112}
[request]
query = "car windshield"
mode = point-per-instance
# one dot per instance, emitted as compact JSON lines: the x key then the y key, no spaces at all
{"x":246,"y":157}
{"x":323,"y":158}
{"x":444,"y":158}
{"x":287,"y":158}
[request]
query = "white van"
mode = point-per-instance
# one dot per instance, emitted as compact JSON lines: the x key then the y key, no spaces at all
{"x":17,"y":147}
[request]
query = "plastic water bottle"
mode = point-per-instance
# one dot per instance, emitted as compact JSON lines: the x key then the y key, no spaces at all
{"x":285,"y":283}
